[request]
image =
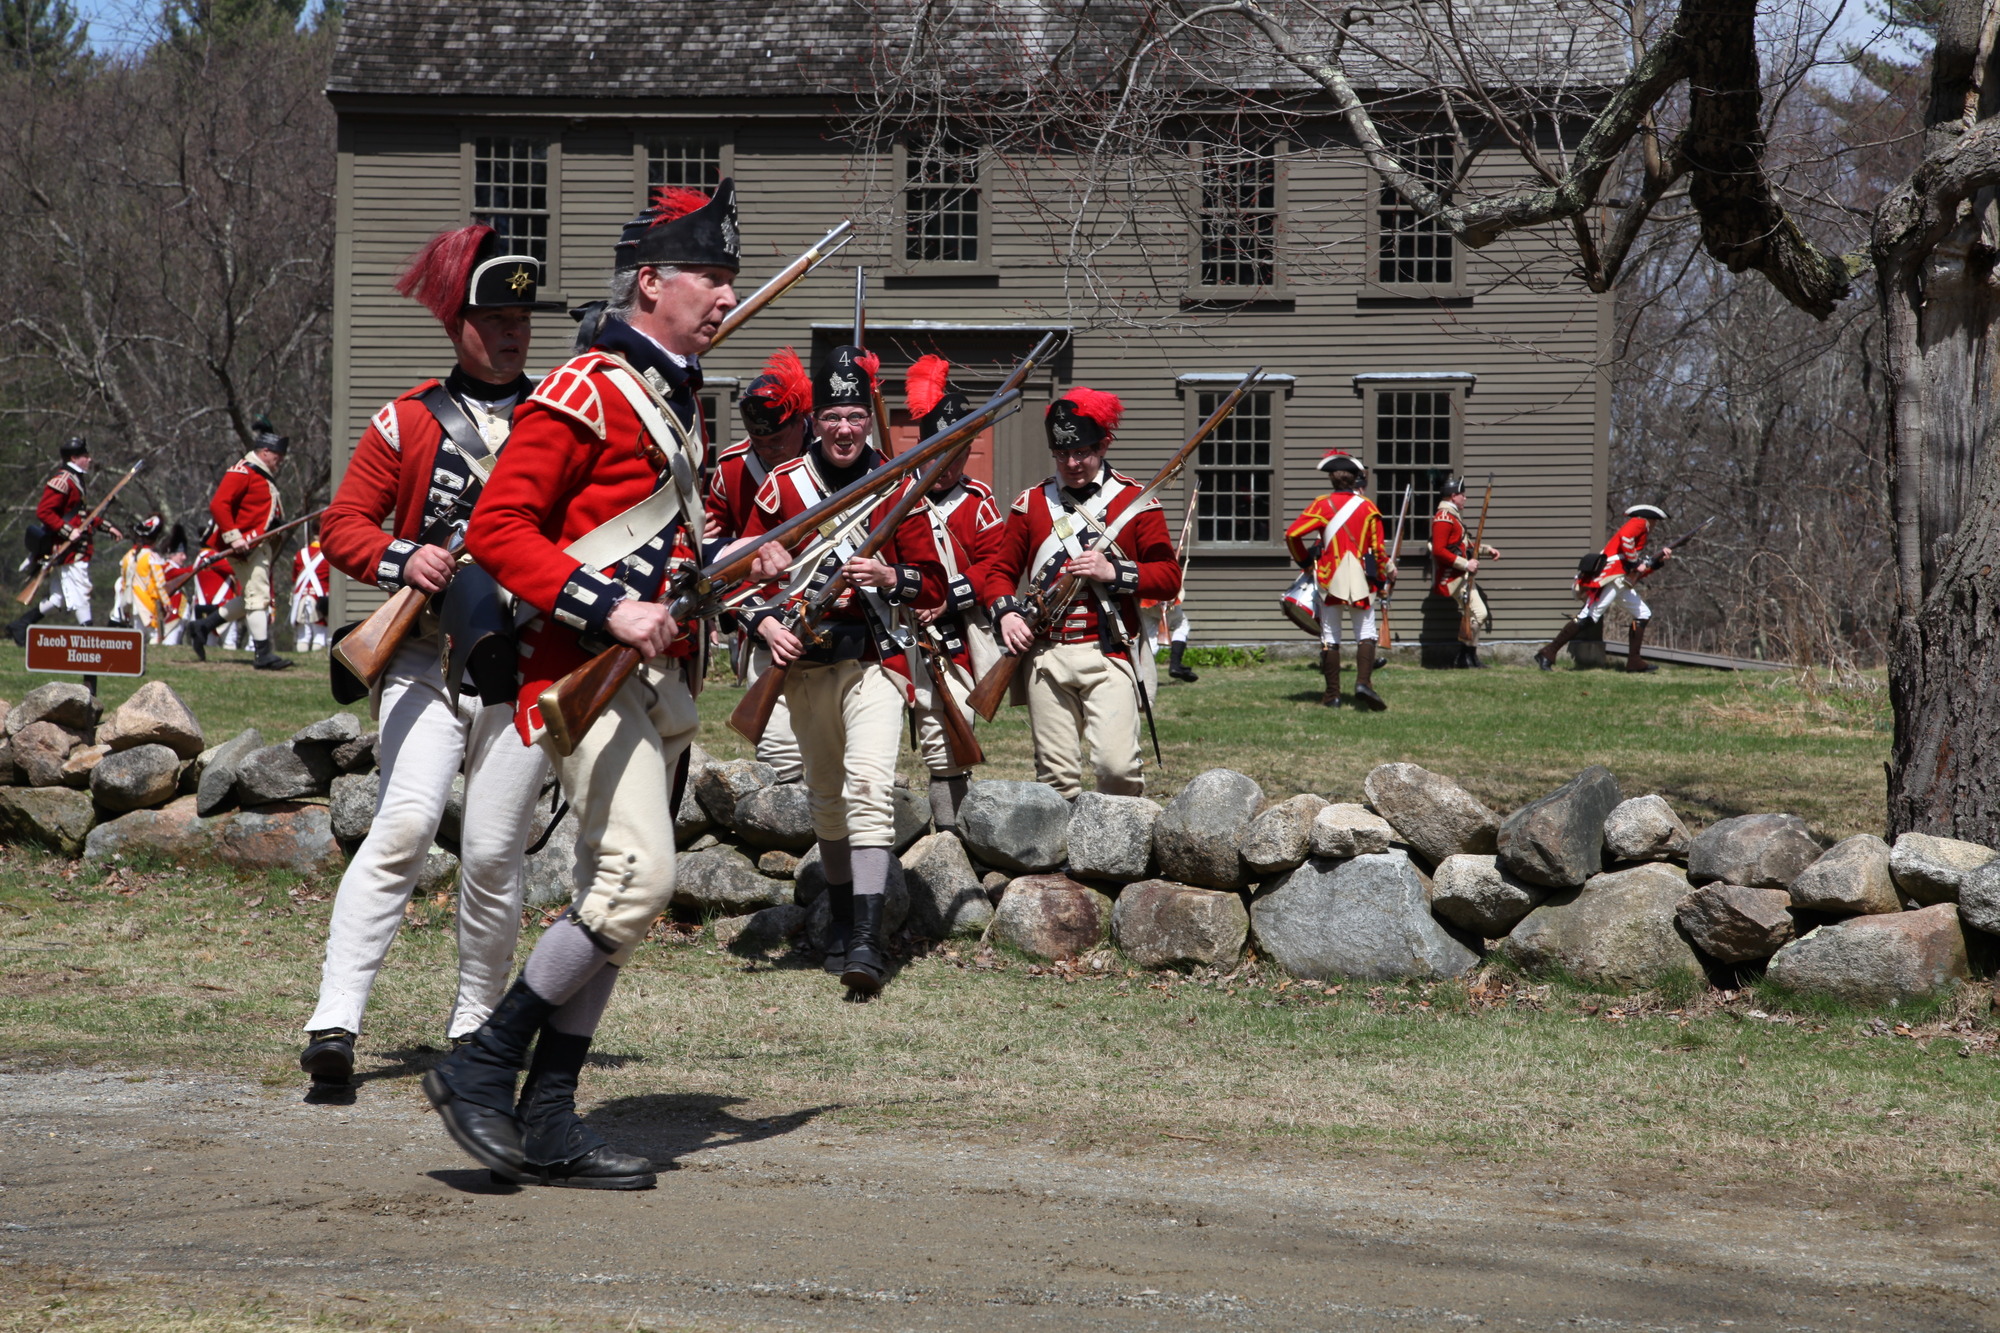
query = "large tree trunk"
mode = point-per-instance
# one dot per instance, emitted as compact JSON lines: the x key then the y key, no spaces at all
{"x":1934,"y":257}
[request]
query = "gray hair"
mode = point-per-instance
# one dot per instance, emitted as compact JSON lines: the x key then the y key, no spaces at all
{"x":623,"y":296}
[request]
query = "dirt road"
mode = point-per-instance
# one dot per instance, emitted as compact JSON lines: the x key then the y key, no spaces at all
{"x":790,"y":1221}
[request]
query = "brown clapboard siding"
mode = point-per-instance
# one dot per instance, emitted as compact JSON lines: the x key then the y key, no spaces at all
{"x":1536,"y":420}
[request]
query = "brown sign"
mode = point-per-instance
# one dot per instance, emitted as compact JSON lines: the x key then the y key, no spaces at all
{"x":87,"y":650}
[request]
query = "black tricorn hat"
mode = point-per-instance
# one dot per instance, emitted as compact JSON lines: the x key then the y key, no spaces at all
{"x":500,"y":280}
{"x":75,"y":447}
{"x":1647,"y":511}
{"x":263,"y":435}
{"x":846,"y":379}
{"x":680,"y":226}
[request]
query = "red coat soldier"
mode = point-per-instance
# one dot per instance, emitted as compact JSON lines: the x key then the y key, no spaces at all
{"x":1620,"y":568}
{"x":63,"y":511}
{"x":245,"y":506}
{"x":1083,"y":672}
{"x":1453,"y":560}
{"x":847,"y":691}
{"x":1338,"y":540}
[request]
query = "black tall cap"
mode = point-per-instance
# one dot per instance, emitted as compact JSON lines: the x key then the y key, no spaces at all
{"x":500,"y":280}
{"x":845,"y":379}
{"x":680,"y":226}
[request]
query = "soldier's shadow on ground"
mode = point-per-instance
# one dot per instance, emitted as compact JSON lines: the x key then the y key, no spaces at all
{"x":807,"y":960}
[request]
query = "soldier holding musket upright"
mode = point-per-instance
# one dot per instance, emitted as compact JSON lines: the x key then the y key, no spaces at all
{"x":1083,"y":672}
{"x":777,"y":418}
{"x":420,"y":465}
{"x":848,"y":689}
{"x":965,"y":525}
{"x":1453,"y":561}
{"x":593,"y":505}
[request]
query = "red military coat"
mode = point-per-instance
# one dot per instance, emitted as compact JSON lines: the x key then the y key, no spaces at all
{"x":62,"y":506}
{"x":1143,"y":560}
{"x":245,"y":505}
{"x":577,"y":457}
{"x":965,"y":526}
{"x":732,"y":490}
{"x":1311,"y":539}
{"x":394,"y":471}
{"x":794,"y":486}
{"x":1451,"y":549}
{"x":1624,"y":552}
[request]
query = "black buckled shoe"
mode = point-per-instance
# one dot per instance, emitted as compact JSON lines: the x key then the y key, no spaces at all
{"x":557,"y":1148}
{"x":329,"y":1059}
{"x":840,"y":925}
{"x":866,"y":967}
{"x":1366,"y":698}
{"x":473,"y":1087}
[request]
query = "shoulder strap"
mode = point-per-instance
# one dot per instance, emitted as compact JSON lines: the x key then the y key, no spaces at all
{"x":458,"y":428}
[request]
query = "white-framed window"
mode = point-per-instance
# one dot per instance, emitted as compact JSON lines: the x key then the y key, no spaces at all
{"x":1413,"y":249}
{"x":512,"y":191}
{"x":1239,"y":204}
{"x":943,"y":203}
{"x":1414,"y":427}
{"x":1236,"y":471}
{"x":692,"y":161}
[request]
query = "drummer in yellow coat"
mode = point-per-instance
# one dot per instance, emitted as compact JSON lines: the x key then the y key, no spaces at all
{"x":1338,"y":540}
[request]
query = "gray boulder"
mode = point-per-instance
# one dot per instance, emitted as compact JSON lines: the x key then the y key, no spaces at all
{"x":1343,"y":829}
{"x":1367,"y":918}
{"x":76,"y":769}
{"x":174,"y":833}
{"x":352,"y":807}
{"x":946,"y":900}
{"x":1645,"y":828}
{"x":1433,"y":814}
{"x":136,"y":778}
{"x":1852,"y":877}
{"x":691,"y":819}
{"x":551,"y":872}
{"x":298,"y":838}
{"x":1979,"y":899}
{"x":722,"y":880}
{"x":1475,"y":894}
{"x":1930,"y":869}
{"x":1199,"y":837}
{"x":52,"y":817}
{"x":1878,"y":959}
{"x":776,"y":816}
{"x":1759,"y":851}
{"x":154,"y":715}
{"x":277,"y":773}
{"x":913,"y":817}
{"x":41,"y":749}
{"x":895,"y":911}
{"x":439,"y":873}
{"x":357,"y":755}
{"x":10,"y":770}
{"x":778,"y":865}
{"x":1281,"y":837}
{"x":1558,"y":840}
{"x":1734,"y":924}
{"x":1111,"y":837}
{"x":720,"y":786}
{"x":1017,"y":826}
{"x":63,"y":702}
{"x":808,"y":878}
{"x":766,"y":929}
{"x":1618,"y":931}
{"x":218,"y":776}
{"x":1051,"y":916}
{"x":337,"y":729}
{"x":1158,"y":923}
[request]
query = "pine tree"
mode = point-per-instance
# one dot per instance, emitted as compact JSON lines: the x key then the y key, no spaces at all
{"x":44,"y":36}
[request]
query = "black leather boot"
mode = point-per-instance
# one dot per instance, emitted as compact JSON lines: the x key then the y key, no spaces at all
{"x":1545,"y":658}
{"x":866,"y":967}
{"x":329,"y":1059}
{"x":198,"y":632}
{"x":1329,"y":668}
{"x":1176,"y":668}
{"x":473,"y":1087}
{"x":1364,"y":676}
{"x":557,"y":1148}
{"x":266,"y":660}
{"x":17,"y":629}
{"x":840,"y":925}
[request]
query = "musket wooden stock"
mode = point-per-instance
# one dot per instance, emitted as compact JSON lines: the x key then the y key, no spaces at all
{"x":369,"y":647}
{"x":744,"y":719}
{"x":572,"y":706}
{"x":1382,"y":641}
{"x":179,"y":580}
{"x":1049,"y":605}
{"x":89,"y":526}
{"x":958,"y":738}
{"x":780,"y":284}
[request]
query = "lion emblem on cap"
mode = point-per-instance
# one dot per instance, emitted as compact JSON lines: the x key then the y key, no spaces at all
{"x":844,"y":384}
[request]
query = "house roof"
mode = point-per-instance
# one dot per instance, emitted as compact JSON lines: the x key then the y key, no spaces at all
{"x":673,"y":49}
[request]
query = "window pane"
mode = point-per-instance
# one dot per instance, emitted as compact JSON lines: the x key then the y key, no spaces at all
{"x":1413,"y":247}
{"x":1239,"y":219}
{"x":694,"y":163}
{"x":1413,"y":447}
{"x":941,"y":203}
{"x":510,"y":191}
{"x":1233,"y":469}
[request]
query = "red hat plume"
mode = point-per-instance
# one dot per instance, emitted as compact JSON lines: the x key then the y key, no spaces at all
{"x":924,"y":385}
{"x":436,"y":276}
{"x":791,"y":390}
{"x":1101,"y":407}
{"x":670,"y":202}
{"x":871,"y":363}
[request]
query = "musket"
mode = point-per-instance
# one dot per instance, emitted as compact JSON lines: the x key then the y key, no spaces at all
{"x":820,"y":251}
{"x":1652,"y":565}
{"x":875,"y":405}
{"x":1049,"y":603}
{"x":964,"y":747}
{"x":572,"y":705}
{"x":752,"y":713}
{"x":369,"y":647}
{"x":174,"y":584}
{"x":1186,"y":551}
{"x":1468,"y":632}
{"x":82,"y":533}
{"x":1395,"y":555}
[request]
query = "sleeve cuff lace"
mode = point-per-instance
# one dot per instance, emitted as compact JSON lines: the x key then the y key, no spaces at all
{"x":389,"y":569}
{"x":587,"y":599}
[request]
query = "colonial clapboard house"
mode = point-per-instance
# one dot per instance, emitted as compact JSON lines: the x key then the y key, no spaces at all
{"x":551,"y":121}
